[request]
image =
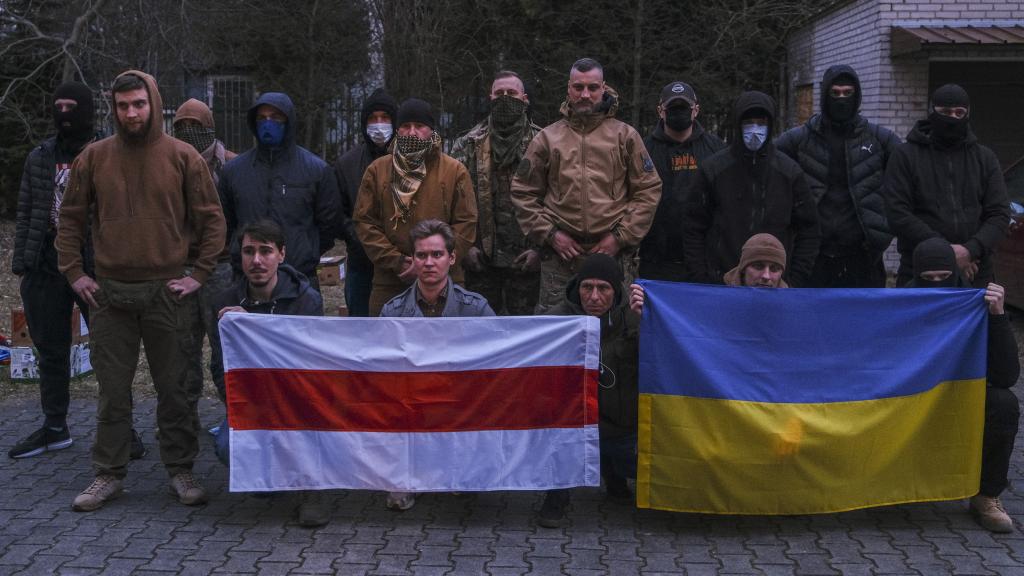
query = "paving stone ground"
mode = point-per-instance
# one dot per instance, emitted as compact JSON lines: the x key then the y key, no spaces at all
{"x":147,"y":532}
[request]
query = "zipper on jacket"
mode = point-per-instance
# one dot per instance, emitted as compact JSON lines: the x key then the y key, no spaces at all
{"x":584,"y":189}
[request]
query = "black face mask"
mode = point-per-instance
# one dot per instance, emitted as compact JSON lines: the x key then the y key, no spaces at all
{"x":679,"y":118}
{"x":841,"y":110}
{"x":947,"y":283}
{"x":946,"y":130}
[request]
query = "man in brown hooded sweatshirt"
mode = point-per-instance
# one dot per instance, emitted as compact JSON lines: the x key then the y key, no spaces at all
{"x":148,"y":196}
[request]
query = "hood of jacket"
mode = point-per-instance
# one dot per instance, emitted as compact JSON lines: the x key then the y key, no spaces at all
{"x":607,"y":108}
{"x":921,"y":133}
{"x":746,"y":102}
{"x":156,"y":107}
{"x":829,"y":77}
{"x":379,"y":100}
{"x":290,"y":284}
{"x":282,"y":102}
{"x":193,"y":109}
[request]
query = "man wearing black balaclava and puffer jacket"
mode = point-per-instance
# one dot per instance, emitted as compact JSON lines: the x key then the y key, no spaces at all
{"x":941,"y":183}
{"x":844,"y":157}
{"x":45,"y":293}
{"x":378,"y":122}
{"x":936,"y":267}
{"x":746,"y":189}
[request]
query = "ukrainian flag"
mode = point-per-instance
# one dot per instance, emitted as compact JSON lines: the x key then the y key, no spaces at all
{"x":766,"y":401}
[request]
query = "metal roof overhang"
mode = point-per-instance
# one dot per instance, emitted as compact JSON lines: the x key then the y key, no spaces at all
{"x":909,"y":38}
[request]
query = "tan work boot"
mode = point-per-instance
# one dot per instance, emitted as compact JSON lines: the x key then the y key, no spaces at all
{"x":187,"y":489}
{"x":989,"y":512}
{"x":103,"y":488}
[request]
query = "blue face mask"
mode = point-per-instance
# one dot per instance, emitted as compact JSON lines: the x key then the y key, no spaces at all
{"x":754,"y":136}
{"x":270,"y":133}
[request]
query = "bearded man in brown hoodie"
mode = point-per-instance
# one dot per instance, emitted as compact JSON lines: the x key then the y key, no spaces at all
{"x":148,"y":196}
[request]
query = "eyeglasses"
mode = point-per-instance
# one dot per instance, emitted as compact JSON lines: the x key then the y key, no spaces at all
{"x":579,"y":87}
{"x":958,"y":112}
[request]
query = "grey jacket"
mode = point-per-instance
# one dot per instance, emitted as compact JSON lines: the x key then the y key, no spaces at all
{"x":461,"y":302}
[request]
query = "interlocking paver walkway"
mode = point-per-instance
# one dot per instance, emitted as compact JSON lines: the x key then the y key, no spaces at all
{"x":148,"y":532}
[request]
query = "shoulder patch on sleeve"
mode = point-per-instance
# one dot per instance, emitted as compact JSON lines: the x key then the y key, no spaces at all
{"x":648,"y":163}
{"x":523,"y":171}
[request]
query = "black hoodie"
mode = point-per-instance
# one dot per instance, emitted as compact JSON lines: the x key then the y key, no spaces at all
{"x":289,"y":185}
{"x":852,"y":210}
{"x":677,"y":164}
{"x":738,"y":193}
{"x":955,"y":193}
{"x":350,"y":167}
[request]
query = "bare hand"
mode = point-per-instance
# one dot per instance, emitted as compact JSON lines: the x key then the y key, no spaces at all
{"x":85,"y":287}
{"x":408,"y":273}
{"x":183,"y":286}
{"x":227,"y":309}
{"x":971,"y":271}
{"x":608,"y":245}
{"x":528,"y":260}
{"x":994,"y":296}
{"x":475,"y":260}
{"x":565,"y":246}
{"x":963,"y":259}
{"x":636,"y":298}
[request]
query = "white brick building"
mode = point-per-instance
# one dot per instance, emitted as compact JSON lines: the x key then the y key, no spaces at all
{"x":903,"y":50}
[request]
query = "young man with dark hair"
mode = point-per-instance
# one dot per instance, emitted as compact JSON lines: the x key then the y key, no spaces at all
{"x":146,"y":196}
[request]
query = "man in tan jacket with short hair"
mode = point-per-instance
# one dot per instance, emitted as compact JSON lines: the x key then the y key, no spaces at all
{"x":586,"y":185}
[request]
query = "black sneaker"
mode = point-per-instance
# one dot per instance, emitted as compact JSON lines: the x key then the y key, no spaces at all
{"x":138,"y":448}
{"x":552,"y":511}
{"x":42,"y":440}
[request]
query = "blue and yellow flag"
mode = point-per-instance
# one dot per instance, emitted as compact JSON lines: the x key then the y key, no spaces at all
{"x":764,"y":401}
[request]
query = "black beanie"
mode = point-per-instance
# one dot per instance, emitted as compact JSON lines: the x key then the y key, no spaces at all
{"x":951,"y":96}
{"x":934,"y":254}
{"x":81,"y":118}
{"x":601,"y":267}
{"x":415,"y":110}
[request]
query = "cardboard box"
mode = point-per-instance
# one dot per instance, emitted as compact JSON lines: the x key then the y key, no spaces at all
{"x":25,"y":362}
{"x":331,"y":270}
{"x":19,"y":328}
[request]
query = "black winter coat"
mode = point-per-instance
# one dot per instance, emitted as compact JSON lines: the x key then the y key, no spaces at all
{"x":739,"y":193}
{"x":349,"y":170}
{"x":868,"y":148}
{"x":954,"y":193}
{"x":677,"y":164}
{"x":291,"y":186}
{"x":32,"y":217}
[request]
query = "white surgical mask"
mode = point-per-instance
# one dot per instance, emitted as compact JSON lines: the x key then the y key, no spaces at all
{"x":379,"y":133}
{"x":754,"y":136}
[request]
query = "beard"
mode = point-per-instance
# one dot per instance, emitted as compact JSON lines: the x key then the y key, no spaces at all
{"x":135,"y":131}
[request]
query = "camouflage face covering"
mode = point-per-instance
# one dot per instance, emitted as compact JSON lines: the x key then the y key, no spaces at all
{"x":507,"y":110}
{"x":412,"y":148}
{"x":199,"y":137}
{"x":408,"y":170}
{"x":508,"y":121}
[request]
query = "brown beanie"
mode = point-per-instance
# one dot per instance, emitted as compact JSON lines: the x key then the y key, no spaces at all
{"x":758,"y":248}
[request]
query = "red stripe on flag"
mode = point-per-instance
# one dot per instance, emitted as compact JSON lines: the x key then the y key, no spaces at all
{"x":497,"y":399}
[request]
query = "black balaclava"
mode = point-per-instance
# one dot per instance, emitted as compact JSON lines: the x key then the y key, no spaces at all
{"x":931,"y":255}
{"x":74,"y":128}
{"x":842,"y":110}
{"x":946,"y":130}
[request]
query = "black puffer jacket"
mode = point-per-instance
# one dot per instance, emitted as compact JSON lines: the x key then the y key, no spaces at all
{"x":290,"y":185}
{"x":738,"y":193}
{"x":677,"y":164}
{"x":351,"y":166}
{"x":618,"y":394}
{"x":868,"y":148}
{"x":32,"y":218}
{"x":954,"y":193}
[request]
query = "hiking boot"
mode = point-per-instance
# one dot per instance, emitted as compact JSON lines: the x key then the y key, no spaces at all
{"x":400,"y":501}
{"x":138,"y":449}
{"x":617,"y":489}
{"x":313,"y":510}
{"x":989,"y":512}
{"x":187,"y":489}
{"x":102,"y":489}
{"x":552,"y":511}
{"x":42,"y":440}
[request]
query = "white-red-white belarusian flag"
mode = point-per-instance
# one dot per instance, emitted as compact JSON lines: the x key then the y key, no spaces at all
{"x":411,"y":404}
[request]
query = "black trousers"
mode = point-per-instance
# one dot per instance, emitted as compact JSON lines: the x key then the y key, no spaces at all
{"x":1002,"y":417}
{"x":48,"y":301}
{"x":862,"y":270}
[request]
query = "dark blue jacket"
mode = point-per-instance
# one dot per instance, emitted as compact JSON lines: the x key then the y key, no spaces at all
{"x":289,"y":185}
